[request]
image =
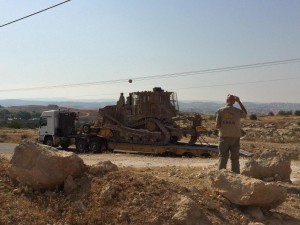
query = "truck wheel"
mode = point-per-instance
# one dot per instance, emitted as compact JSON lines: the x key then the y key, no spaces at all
{"x":81,"y":146}
{"x":95,"y":147}
{"x":64,"y":145}
{"x":49,"y":141}
{"x":188,"y":155}
{"x":86,"y":128}
{"x":169,"y":154}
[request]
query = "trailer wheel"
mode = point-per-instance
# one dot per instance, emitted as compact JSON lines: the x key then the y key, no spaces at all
{"x":206,"y":155}
{"x":81,"y":146}
{"x":188,"y":155}
{"x":169,"y":154}
{"x":95,"y":146}
{"x":49,"y":141}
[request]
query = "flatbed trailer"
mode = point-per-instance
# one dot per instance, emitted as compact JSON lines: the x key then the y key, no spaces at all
{"x":57,"y":128}
{"x":178,"y":149}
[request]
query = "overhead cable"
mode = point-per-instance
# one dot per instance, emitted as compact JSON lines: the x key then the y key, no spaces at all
{"x":221,"y":69}
{"x":241,"y":83}
{"x":34,"y":14}
{"x":164,"y":76}
{"x":201,"y":86}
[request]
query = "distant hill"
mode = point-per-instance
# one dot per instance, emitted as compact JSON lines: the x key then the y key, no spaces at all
{"x":206,"y":107}
{"x":252,"y":107}
{"x":61,"y":103}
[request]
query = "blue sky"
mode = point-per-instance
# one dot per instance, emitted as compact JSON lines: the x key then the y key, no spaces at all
{"x":97,"y":41}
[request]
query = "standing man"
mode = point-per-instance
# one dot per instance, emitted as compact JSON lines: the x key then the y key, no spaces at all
{"x":121,"y":101}
{"x":197,"y":121}
{"x":228,"y":123}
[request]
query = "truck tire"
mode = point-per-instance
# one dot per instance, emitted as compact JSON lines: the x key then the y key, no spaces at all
{"x":188,"y":155}
{"x":95,"y":146}
{"x":86,"y":128}
{"x":49,"y":141}
{"x":64,"y":145}
{"x":169,"y":154}
{"x":81,"y":146}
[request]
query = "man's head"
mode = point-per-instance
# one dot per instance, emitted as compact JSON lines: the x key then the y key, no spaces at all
{"x":230,"y":99}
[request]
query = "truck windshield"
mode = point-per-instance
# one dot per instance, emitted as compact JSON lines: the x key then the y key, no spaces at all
{"x":43,"y":121}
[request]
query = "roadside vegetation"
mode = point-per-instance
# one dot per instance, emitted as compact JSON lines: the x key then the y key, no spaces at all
{"x":19,"y":119}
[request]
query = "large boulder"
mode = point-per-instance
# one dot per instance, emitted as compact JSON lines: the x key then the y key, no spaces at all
{"x":42,"y":167}
{"x":270,"y":166}
{"x":189,"y":212}
{"x":243,"y":190}
{"x":102,"y":168}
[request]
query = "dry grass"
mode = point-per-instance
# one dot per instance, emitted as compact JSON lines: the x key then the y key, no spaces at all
{"x":9,"y":135}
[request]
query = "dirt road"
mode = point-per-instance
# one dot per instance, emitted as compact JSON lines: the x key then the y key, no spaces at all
{"x":142,"y":161}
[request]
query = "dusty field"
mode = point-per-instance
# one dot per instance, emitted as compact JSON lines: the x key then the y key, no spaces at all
{"x":148,"y":190}
{"x":8,"y":135}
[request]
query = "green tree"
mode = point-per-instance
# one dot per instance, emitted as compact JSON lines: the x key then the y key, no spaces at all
{"x":4,"y":114}
{"x":297,"y":113}
{"x":35,"y":114}
{"x":23,"y":115}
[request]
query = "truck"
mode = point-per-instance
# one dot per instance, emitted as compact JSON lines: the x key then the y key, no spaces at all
{"x":146,"y":122}
{"x":58,"y":128}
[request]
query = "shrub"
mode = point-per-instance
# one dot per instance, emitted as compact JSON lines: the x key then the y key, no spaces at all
{"x":297,"y":113}
{"x":285,"y":113}
{"x":31,"y":124}
{"x":212,"y":117}
{"x":253,"y":117}
{"x":3,"y":137}
{"x":24,"y":136}
{"x":270,"y":114}
{"x":16,"y":124}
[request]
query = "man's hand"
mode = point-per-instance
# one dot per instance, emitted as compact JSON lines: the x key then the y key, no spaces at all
{"x":237,"y":99}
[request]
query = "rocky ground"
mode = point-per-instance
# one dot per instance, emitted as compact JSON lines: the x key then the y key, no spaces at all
{"x":139,"y":195}
{"x":156,"y":190}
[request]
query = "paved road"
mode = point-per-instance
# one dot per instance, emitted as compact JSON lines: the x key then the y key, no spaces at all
{"x":7,"y":148}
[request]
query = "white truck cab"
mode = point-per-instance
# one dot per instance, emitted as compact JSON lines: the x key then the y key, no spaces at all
{"x":57,"y":127}
{"x":48,"y":124}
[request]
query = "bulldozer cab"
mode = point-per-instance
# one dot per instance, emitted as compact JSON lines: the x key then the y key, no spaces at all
{"x":157,"y":103}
